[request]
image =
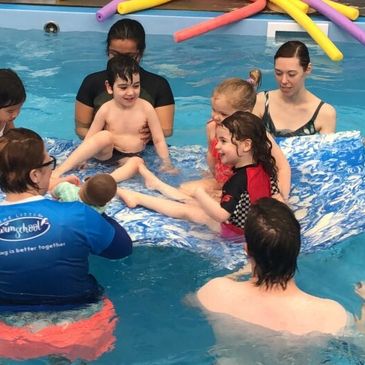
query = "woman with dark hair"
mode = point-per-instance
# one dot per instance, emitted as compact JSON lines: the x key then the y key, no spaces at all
{"x":44,"y":252}
{"x":292,"y":110}
{"x":126,"y":36}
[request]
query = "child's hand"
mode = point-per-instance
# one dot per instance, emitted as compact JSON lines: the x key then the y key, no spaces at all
{"x":169,"y":168}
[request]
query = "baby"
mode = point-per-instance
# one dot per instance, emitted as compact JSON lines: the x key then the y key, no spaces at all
{"x":96,"y":191}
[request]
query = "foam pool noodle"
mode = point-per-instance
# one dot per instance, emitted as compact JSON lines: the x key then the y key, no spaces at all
{"x":348,"y":11}
{"x":107,"y":10}
{"x":339,"y":19}
{"x":220,"y":21}
{"x":306,"y":22}
{"x":131,"y":6}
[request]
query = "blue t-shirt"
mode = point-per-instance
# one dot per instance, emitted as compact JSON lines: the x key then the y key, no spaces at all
{"x":44,"y":249}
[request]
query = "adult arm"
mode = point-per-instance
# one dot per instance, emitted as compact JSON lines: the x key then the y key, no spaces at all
{"x":166,"y":117}
{"x":83,"y":118}
{"x":259,"y":107}
{"x":326,"y":120}
{"x":121,"y":245}
{"x":210,"y":131}
{"x":284,"y":171}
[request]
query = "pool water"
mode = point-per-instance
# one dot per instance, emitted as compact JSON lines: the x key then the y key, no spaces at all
{"x":158,"y":324}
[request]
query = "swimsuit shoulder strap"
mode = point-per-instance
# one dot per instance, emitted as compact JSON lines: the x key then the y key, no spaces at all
{"x":266,"y":118}
{"x":315,"y":114}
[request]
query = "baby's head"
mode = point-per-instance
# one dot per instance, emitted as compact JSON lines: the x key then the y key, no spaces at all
{"x":98,"y":190}
{"x":235,"y":94}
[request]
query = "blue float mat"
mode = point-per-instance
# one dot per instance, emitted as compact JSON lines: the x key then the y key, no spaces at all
{"x":327,"y":196}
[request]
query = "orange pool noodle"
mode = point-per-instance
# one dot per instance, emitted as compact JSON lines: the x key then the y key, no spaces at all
{"x":220,"y":21}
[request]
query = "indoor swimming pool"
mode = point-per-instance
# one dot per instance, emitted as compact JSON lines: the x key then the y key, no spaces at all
{"x":152,"y":289}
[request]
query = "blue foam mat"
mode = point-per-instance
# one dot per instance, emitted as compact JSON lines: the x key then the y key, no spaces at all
{"x":327,"y":196}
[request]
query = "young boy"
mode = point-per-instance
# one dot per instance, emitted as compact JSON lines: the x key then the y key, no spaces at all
{"x":97,"y":191}
{"x":114,"y":135}
{"x":12,"y":97}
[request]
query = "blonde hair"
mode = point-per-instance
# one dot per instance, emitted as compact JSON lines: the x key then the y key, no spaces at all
{"x":240,"y":93}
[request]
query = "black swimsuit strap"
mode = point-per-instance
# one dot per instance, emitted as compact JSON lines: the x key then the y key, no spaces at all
{"x":266,"y":118}
{"x":315,"y":114}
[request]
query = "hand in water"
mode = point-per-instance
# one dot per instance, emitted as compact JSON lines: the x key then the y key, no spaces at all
{"x":168,"y":168}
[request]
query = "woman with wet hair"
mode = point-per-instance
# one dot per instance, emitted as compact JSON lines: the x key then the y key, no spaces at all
{"x":292,"y":110}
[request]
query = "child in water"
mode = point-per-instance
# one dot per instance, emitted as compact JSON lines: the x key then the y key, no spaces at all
{"x":242,"y":143}
{"x":114,"y":135}
{"x":12,"y":97}
{"x":96,"y":191}
{"x":231,"y":95}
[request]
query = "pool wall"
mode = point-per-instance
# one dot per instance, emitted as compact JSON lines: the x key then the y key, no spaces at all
{"x":166,"y":22}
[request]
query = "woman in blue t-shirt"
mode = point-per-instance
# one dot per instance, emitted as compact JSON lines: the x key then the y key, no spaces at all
{"x":44,"y":251}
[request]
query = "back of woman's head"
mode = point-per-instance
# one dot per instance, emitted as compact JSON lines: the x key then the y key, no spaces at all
{"x":273,"y":241}
{"x":123,"y":66}
{"x":128,"y":29}
{"x":12,"y":90}
{"x":240,"y":93}
{"x":245,"y":125}
{"x":294,"y":49}
{"x":21,"y":150}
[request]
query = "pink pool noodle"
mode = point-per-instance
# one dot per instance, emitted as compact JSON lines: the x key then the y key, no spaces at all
{"x":338,"y":19}
{"x":107,"y":10}
{"x":220,"y":21}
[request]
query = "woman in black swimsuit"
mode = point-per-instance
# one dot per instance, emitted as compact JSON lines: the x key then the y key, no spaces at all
{"x":292,"y":110}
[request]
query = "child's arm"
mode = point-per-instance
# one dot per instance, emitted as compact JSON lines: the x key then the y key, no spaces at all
{"x":211,"y":206}
{"x":99,"y":121}
{"x":158,"y":139}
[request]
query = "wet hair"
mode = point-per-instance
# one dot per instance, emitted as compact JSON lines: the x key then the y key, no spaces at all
{"x":127,"y":29}
{"x":12,"y":91}
{"x":273,"y":240}
{"x":294,"y":49}
{"x":245,"y":125}
{"x":123,"y":66}
{"x":98,"y":190}
{"x":240,"y":93}
{"x":21,"y":150}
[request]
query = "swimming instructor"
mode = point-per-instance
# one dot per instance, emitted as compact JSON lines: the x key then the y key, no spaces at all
{"x":45,"y":244}
{"x":126,"y":36}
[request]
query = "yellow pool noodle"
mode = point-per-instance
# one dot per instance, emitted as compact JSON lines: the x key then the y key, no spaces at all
{"x":306,"y":22}
{"x":300,"y":5}
{"x":348,"y":11}
{"x":131,"y":6}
